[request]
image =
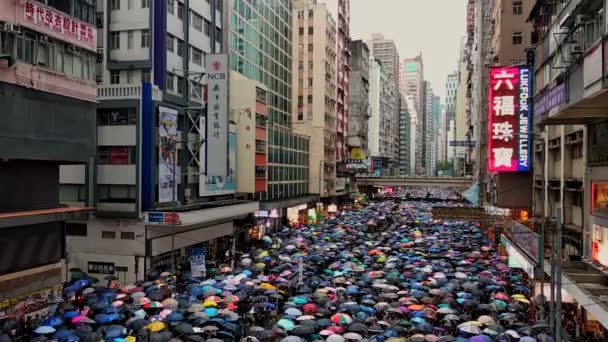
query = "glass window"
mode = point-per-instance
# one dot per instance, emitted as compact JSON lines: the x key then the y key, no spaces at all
{"x":180,"y":85}
{"x":197,"y":22}
{"x":108,"y":235}
{"x":171,"y":6}
{"x":170,"y":43}
{"x":196,"y":55}
{"x":115,"y":40}
{"x":145,"y":38}
{"x":518,"y":38}
{"x":145,"y":3}
{"x":180,"y":47}
{"x":170,"y":82}
{"x":518,"y":7}
{"x":43,"y":55}
{"x":115,"y":5}
{"x":115,"y":77}
{"x":145,"y":75}
{"x":180,"y":11}
{"x":127,"y":235}
{"x":129,"y":39}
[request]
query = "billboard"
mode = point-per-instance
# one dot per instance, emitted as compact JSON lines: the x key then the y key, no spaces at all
{"x":216,"y":66}
{"x":222,"y":185}
{"x":510,"y":119}
{"x":167,"y":154}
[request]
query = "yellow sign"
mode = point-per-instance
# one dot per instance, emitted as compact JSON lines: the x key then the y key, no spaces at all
{"x":357,"y":153}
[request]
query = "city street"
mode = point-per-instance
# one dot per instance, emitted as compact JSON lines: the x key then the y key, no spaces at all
{"x":385,"y":270}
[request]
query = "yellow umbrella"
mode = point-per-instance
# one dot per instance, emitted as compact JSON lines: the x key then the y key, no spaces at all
{"x":522,"y":300}
{"x":209,"y":303}
{"x":263,"y":254}
{"x":267,"y":286}
{"x":131,"y":339}
{"x":518,"y":296}
{"x":260,"y":264}
{"x":156,"y":326}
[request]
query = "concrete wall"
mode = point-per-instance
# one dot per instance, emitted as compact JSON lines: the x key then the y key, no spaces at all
{"x":44,"y":126}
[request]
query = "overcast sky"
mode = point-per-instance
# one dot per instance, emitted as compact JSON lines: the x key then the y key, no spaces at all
{"x":433,"y":27}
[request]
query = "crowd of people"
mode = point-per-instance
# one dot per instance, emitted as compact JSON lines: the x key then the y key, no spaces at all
{"x":345,"y":278}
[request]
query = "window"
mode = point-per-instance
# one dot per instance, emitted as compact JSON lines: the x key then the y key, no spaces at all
{"x":145,"y":76}
{"x":197,"y":22}
{"x":196,"y":55}
{"x":309,"y":98}
{"x":310,"y":64}
{"x":300,"y":14}
{"x":145,"y":38}
{"x":170,"y":82}
{"x":180,"y":48}
{"x":106,"y":234}
{"x":518,"y":7}
{"x":75,"y":229}
{"x":300,"y":65}
{"x":171,"y":6}
{"x":310,"y":13}
{"x":207,"y":28}
{"x":180,"y":11}
{"x":115,"y":5}
{"x":145,"y":3}
{"x":301,"y":31}
{"x":129,"y":39}
{"x":116,"y":116}
{"x":115,"y":40}
{"x":127,"y":235}
{"x":180,"y":85}
{"x":115,"y":77}
{"x":300,"y":116}
{"x":116,"y":155}
{"x":310,"y":30}
{"x":301,"y":47}
{"x":518,"y":38}
{"x":129,"y":4}
{"x":310,"y":81}
{"x":309,"y":47}
{"x":129,"y":76}
{"x":170,"y":43}
{"x":43,"y":55}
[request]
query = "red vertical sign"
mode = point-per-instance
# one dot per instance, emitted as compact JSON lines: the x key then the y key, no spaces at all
{"x":503,"y":120}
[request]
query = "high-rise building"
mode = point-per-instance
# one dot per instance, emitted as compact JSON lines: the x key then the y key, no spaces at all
{"x":359,"y":96}
{"x":440,"y":129}
{"x":405,"y":127}
{"x":160,"y":149}
{"x":314,"y":84}
{"x":381,"y":134}
{"x":386,"y":52}
{"x":428,"y":130}
{"x":413,"y":131}
{"x":412,"y":80}
{"x":47,"y":96}
{"x":261,"y":41}
{"x":451,"y":88}
{"x":343,"y":58}
{"x":460,"y":127}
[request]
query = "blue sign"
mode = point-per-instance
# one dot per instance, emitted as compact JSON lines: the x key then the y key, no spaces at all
{"x":156,"y":217}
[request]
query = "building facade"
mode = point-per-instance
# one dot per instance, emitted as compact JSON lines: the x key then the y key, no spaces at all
{"x":412,"y":80}
{"x":359,"y":96}
{"x":47,"y":94}
{"x":429,"y":147}
{"x":261,"y":41}
{"x":460,"y":127}
{"x":381,"y":133}
{"x":405,"y":131}
{"x":314,"y":85}
{"x":451,"y":89}
{"x":343,"y":60}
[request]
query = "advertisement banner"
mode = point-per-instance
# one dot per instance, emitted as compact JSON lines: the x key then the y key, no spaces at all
{"x":167,"y":153}
{"x":223,"y":185}
{"x":509,"y":124}
{"x":60,"y":23}
{"x":217,"y":114}
{"x":357,"y":153}
{"x":119,"y":155}
{"x":198,"y":265}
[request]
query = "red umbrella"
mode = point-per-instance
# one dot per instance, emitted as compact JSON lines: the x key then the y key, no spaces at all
{"x":310,"y":308}
{"x":336,"y":329}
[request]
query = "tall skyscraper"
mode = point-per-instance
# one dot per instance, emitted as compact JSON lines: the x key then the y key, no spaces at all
{"x":412,"y":75}
{"x":386,"y":52}
{"x":428,"y":130}
{"x":451,"y":89}
{"x":343,"y":58}
{"x":405,"y":127}
{"x":314,"y":84}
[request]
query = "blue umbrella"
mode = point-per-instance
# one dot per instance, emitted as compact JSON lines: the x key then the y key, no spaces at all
{"x":53,"y":321}
{"x":419,"y":320}
{"x":174,"y":317}
{"x":115,"y":331}
{"x":211,"y":312}
{"x":71,"y":314}
{"x":106,"y":318}
{"x":65,"y":336}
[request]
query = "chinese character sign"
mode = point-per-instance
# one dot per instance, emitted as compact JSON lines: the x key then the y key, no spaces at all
{"x":509,"y":119}
{"x":216,"y":66}
{"x":60,"y":23}
{"x":167,"y":153}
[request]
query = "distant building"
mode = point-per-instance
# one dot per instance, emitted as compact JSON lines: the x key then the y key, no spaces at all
{"x":343,"y":60}
{"x":405,"y":127}
{"x":359,"y":96}
{"x":429,"y":147}
{"x":411,"y":85}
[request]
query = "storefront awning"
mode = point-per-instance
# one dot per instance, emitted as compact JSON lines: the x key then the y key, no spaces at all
{"x":29,"y":217}
{"x":587,"y":110}
{"x":288,"y":202}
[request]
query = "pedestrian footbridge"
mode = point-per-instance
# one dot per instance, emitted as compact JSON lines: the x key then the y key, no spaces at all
{"x":457,"y":183}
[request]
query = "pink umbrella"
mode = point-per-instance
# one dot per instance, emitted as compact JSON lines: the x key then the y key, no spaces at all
{"x":163,"y":314}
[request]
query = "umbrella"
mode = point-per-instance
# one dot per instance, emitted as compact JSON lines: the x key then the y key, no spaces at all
{"x":470,"y":327}
{"x":353,"y":336}
{"x":44,"y":329}
{"x":286,"y":324}
{"x":335,"y":338}
{"x":341,"y":318}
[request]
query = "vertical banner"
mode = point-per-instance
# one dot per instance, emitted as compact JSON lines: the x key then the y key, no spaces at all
{"x":167,"y":154}
{"x":216,"y":66}
{"x":509,"y":122}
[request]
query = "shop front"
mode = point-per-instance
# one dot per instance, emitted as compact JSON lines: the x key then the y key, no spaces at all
{"x":297,"y":215}
{"x":517,"y":259}
{"x":599,"y":222}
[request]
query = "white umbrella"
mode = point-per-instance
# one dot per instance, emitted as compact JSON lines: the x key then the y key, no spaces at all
{"x":470,"y":327}
{"x":353,"y":336}
{"x":445,"y":311}
{"x":335,"y":338}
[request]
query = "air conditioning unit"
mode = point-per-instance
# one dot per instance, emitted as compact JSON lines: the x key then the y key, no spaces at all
{"x":14,"y":28}
{"x":580,"y":20}
{"x":43,"y":39}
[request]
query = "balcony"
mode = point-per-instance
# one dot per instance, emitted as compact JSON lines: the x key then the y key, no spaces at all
{"x":125,"y":91}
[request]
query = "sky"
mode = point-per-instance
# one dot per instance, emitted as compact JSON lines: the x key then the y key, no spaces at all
{"x":433,"y":27}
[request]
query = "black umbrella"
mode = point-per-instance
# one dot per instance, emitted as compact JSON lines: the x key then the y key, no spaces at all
{"x":357,"y":327}
{"x":184,"y":329}
{"x":303,"y":330}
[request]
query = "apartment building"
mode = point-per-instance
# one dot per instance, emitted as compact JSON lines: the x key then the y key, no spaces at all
{"x":405,"y":131}
{"x":359,"y":99}
{"x":314,"y":85}
{"x":343,"y":60}
{"x":47,"y":95}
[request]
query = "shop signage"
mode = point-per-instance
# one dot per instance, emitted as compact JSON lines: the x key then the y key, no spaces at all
{"x":30,"y":305}
{"x":261,"y":213}
{"x":167,"y":152}
{"x":163,"y":218}
{"x":198,"y":263}
{"x":217,"y":118}
{"x":119,"y":155}
{"x":354,"y":165}
{"x":553,"y":98}
{"x":332,"y":208}
{"x":340,"y":184}
{"x":509,"y":147}
{"x":101,"y":267}
{"x":60,"y":23}
{"x":274,"y":213}
{"x":357,"y":153}
{"x":525,"y":239}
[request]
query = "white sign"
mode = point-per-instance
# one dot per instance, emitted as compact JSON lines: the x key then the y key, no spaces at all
{"x":198,"y":266}
{"x":167,"y":154}
{"x":216,"y":66}
{"x":60,"y":23}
